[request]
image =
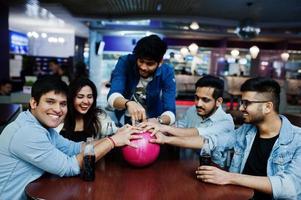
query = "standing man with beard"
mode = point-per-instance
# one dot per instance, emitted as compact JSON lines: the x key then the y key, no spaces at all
{"x":267,"y":150}
{"x":143,"y":86}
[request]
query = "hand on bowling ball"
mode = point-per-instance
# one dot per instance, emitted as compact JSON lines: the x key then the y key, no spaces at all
{"x":160,"y":138}
{"x":211,"y":174}
{"x":153,"y":120}
{"x":152,"y":127}
{"x":125,"y":134}
{"x":136,"y":111}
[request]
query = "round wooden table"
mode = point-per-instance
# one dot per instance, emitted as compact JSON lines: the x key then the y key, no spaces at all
{"x":168,"y":178}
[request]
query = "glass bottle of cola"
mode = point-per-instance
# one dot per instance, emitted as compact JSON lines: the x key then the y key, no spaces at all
{"x":205,"y":153}
{"x":88,"y":169}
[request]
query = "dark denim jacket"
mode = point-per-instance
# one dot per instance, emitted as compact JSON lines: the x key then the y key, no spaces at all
{"x":160,"y":92}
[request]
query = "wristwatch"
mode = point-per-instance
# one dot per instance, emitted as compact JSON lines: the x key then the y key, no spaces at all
{"x":160,"y":120}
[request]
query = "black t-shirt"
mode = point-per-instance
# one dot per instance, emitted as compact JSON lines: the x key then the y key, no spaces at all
{"x":256,"y":164}
{"x":76,"y":136}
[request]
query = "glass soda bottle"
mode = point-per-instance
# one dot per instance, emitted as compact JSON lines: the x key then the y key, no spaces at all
{"x":109,"y":129}
{"x":205,"y":153}
{"x":88,"y":169}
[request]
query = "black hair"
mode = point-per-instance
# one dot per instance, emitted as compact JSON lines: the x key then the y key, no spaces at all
{"x":47,"y":84}
{"x":92,"y":125}
{"x":214,"y":82}
{"x":81,"y":70}
{"x":54,"y":61}
{"x":5,"y":81}
{"x":150,"y":47}
{"x":267,"y":86}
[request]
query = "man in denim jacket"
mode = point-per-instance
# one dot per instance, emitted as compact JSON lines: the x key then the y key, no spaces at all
{"x":142,"y":86}
{"x":267,"y":149}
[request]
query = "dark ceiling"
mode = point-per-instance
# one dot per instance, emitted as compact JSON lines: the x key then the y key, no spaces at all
{"x":264,"y":12}
{"x":279,"y":20}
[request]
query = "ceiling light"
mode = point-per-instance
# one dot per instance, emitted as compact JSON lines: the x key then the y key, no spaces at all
{"x":86,"y":54}
{"x":284,"y":56}
{"x":35,"y":34}
{"x":234,"y":53}
{"x":194,"y":26}
{"x":184,"y":51}
{"x":61,"y":40}
{"x":29,"y":34}
{"x":193,"y":48}
{"x":178,"y":57}
{"x":254,"y":50}
{"x":44,"y":35}
{"x":52,"y":40}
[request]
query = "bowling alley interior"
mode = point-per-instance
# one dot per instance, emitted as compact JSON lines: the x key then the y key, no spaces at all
{"x":233,"y":40}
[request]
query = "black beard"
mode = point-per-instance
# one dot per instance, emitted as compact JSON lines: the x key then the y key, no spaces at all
{"x":255,"y":121}
{"x":207,"y":115}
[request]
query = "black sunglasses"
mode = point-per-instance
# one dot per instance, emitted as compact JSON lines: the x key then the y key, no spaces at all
{"x":246,"y":103}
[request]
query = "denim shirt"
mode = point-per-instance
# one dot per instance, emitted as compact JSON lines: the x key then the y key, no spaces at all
{"x":160,"y":92}
{"x":27,"y":150}
{"x":218,"y":123}
{"x":284,"y":163}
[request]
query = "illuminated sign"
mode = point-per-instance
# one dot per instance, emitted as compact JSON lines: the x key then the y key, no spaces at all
{"x":18,"y":43}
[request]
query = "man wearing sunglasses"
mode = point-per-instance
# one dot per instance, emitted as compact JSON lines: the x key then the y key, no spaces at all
{"x":267,"y":150}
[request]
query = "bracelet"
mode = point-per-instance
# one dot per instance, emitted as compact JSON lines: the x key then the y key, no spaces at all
{"x":111,"y":144}
{"x":126,"y":106}
{"x":112,"y":141}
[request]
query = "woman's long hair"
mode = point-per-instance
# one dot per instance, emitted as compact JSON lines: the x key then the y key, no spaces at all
{"x":91,"y":121}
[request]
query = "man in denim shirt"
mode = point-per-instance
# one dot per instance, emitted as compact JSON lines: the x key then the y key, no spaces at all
{"x":205,"y":118}
{"x":142,"y":86}
{"x":207,"y":115}
{"x":29,"y":146}
{"x":267,"y":150}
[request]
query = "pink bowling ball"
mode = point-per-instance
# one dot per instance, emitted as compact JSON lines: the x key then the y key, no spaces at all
{"x":145,"y":153}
